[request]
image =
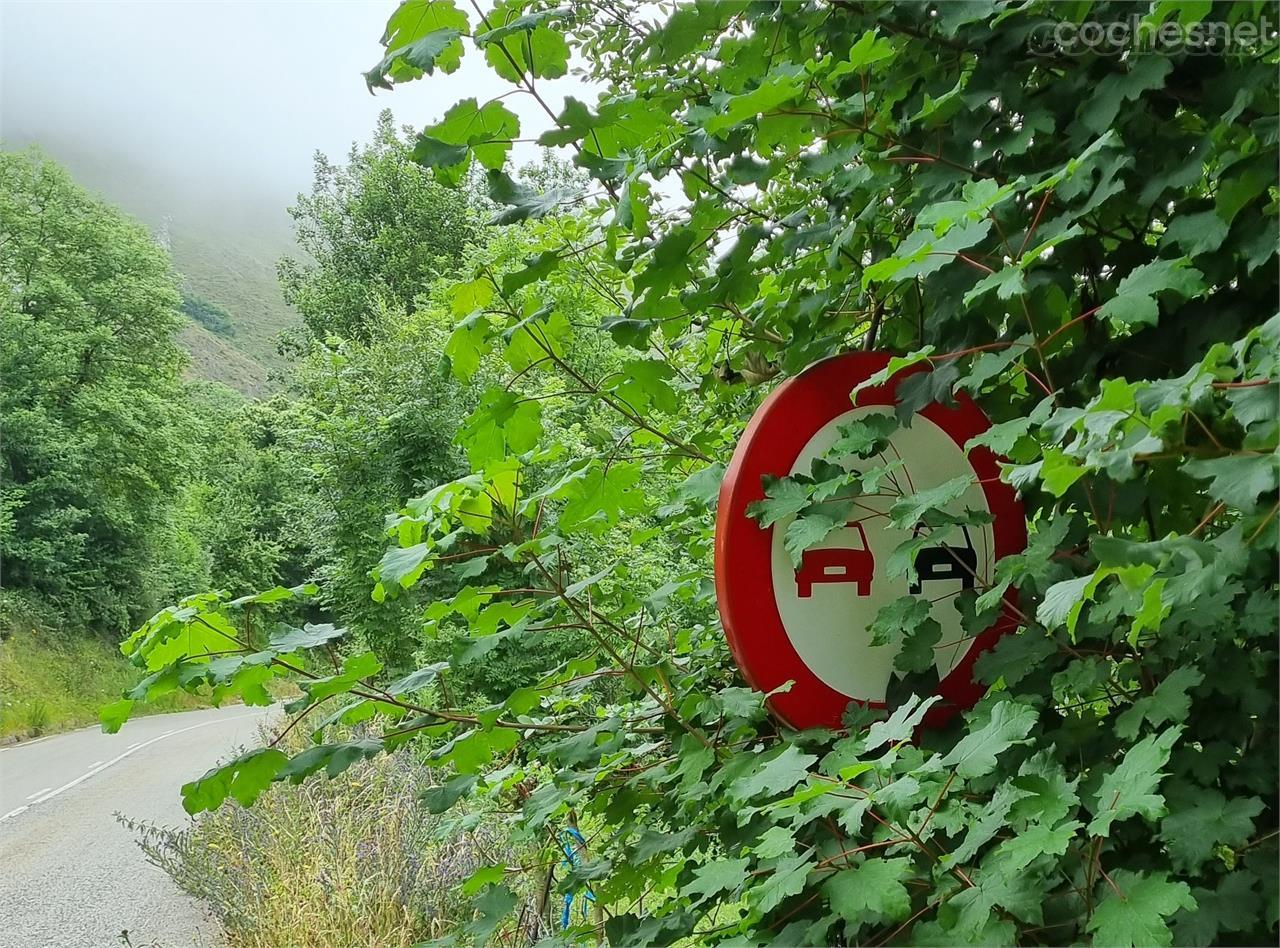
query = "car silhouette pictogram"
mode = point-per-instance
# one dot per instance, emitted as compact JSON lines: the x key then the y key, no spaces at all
{"x":945,"y":562}
{"x":839,"y":565}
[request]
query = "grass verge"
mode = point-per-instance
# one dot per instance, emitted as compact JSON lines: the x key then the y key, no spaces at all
{"x":51,"y":683}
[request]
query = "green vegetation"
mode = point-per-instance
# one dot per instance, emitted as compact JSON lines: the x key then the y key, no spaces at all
{"x":209,"y":315}
{"x":232,"y":264}
{"x":224,"y":241}
{"x":377,"y":231}
{"x":124,"y":487}
{"x":340,"y":864}
{"x":51,"y":681}
{"x":91,"y":400}
{"x":482,"y":513}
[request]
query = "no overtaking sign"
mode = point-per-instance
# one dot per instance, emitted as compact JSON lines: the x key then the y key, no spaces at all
{"x":810,"y":625}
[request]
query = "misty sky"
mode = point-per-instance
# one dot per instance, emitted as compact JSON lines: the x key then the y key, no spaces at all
{"x":223,"y":97}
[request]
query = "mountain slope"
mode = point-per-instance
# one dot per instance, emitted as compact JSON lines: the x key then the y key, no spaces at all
{"x":224,"y":243}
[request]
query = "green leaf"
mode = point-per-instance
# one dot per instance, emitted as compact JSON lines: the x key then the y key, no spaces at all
{"x":439,"y":47}
{"x":1008,"y":282}
{"x":1129,"y":789}
{"x":703,"y":485}
{"x":1238,"y":480}
{"x":911,"y":509}
{"x":501,"y":425}
{"x":1058,"y":471}
{"x":1014,"y":657}
{"x":780,"y":840}
{"x":599,"y":499}
{"x":416,"y":680}
{"x":875,"y":886}
{"x":493,"y":906}
{"x":900,"y":725}
{"x":714,"y":877}
{"x":782,"y":84}
{"x":114,"y":715}
{"x":1135,"y":299}
{"x":523,"y":44}
{"x":1168,"y":704}
{"x":311,"y":635}
{"x":870,"y":48}
{"x":420,"y":35}
{"x":773,"y":774}
{"x":1231,"y":907}
{"x":402,"y":566}
{"x":784,"y":497}
{"x":535,"y":268}
{"x":522,"y":201}
{"x":785,"y":879}
{"x":354,"y":668}
{"x":1134,"y":917}
{"x":467,"y":130}
{"x":243,"y":778}
{"x":1062,"y":602}
{"x":334,"y":758}
{"x":810,"y":529}
{"x":1143,"y":74}
{"x":1036,"y":841}
{"x":917,"y":650}
{"x":1190,"y":834}
{"x":441,"y":798}
{"x":643,"y":385}
{"x":1008,"y":723}
{"x":906,"y":624}
{"x":863,"y":437}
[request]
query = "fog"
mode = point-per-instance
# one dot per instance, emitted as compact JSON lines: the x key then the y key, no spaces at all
{"x":170,"y":104}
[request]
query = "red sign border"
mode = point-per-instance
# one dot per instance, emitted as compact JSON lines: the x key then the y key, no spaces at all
{"x":774,"y":438}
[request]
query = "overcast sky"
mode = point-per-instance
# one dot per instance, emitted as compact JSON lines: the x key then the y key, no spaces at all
{"x":228,"y":96}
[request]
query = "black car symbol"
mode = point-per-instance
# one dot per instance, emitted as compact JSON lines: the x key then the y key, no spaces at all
{"x":945,"y":562}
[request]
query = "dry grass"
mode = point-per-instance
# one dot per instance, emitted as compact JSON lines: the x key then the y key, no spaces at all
{"x":352,"y":861}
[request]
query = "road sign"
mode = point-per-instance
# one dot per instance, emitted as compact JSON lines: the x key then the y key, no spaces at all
{"x":809,"y":625}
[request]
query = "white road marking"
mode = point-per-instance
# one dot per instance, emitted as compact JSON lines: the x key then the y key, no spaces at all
{"x":39,"y":740}
{"x":94,"y":764}
{"x":18,"y":745}
{"x":38,"y":792}
{"x":50,"y":794}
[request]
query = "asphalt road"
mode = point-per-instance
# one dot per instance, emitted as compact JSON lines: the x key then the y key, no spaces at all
{"x":70,"y":875}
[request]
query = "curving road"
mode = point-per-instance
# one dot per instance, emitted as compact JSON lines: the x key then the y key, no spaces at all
{"x":70,"y":875}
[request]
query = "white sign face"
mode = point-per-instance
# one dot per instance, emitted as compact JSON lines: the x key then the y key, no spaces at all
{"x":827,"y":606}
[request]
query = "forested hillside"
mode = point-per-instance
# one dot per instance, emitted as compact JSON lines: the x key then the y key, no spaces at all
{"x":223,"y":244}
{"x":125,"y":482}
{"x":477,"y":528}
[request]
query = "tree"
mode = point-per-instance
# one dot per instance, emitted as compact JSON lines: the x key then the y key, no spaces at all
{"x":1086,"y":243}
{"x":91,"y":398}
{"x":376,"y":231}
{"x":241,"y":507}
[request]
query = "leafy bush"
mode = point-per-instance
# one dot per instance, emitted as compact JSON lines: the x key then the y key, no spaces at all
{"x":1085,"y":243}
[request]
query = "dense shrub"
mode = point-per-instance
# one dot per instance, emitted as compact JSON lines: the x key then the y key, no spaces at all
{"x":1085,"y":243}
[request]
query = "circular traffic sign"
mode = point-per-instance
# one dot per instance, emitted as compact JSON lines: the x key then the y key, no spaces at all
{"x":810,"y":625}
